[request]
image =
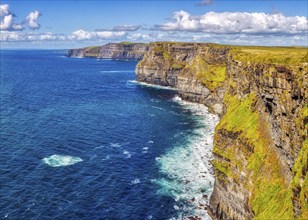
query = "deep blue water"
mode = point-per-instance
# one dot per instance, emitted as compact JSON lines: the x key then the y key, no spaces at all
{"x":130,"y":139}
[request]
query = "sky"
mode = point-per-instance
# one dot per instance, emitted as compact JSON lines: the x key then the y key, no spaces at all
{"x":79,"y":23}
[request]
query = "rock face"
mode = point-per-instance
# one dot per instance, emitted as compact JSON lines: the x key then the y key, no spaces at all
{"x":117,"y":51}
{"x":260,"y":144}
{"x":181,"y":65}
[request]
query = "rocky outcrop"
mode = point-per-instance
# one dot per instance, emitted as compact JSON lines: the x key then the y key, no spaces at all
{"x":117,"y":51}
{"x":260,"y":144}
{"x":181,"y":65}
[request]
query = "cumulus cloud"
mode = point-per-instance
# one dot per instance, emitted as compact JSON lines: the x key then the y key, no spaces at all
{"x":6,"y":22}
{"x":236,"y":22}
{"x":4,"y":10}
{"x":32,"y":20}
{"x":92,"y":35}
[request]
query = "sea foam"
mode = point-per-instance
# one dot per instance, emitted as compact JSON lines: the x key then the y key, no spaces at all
{"x":186,"y":167}
{"x":152,"y":85}
{"x":61,"y":160}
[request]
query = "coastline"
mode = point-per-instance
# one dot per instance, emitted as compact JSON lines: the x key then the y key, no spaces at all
{"x":200,"y":179}
{"x":259,"y":94}
{"x":188,"y":166}
{"x":189,"y":173}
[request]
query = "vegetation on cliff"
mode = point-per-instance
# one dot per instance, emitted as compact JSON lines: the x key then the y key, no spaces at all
{"x":270,"y":196}
{"x":92,"y":51}
{"x":271,"y":55}
{"x":211,"y":75}
{"x":264,"y":90}
{"x":300,"y":169}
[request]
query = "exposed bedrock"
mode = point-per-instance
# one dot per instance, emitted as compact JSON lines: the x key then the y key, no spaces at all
{"x":260,"y":143}
{"x":116,"y":51}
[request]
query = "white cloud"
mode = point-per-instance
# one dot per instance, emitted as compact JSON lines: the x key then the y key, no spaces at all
{"x":32,"y":18}
{"x":4,"y":10}
{"x":236,"y":22}
{"x":17,"y":27}
{"x":92,"y":35}
{"x":79,"y":35}
{"x":14,"y":36}
{"x":6,"y":22}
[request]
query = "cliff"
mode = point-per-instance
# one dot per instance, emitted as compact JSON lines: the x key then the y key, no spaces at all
{"x":260,"y":143}
{"x":117,"y":51}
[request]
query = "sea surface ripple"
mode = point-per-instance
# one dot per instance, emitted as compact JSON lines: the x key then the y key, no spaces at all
{"x":79,"y":139}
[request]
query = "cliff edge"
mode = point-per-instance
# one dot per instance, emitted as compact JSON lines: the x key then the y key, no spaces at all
{"x":260,"y":143}
{"x":116,"y":51}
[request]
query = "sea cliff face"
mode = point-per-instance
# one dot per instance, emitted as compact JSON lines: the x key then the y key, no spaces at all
{"x":117,"y":51}
{"x":260,"y":144}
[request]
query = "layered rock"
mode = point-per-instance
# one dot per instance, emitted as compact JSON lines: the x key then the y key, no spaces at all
{"x":117,"y":51}
{"x":181,"y":65}
{"x":260,"y":144}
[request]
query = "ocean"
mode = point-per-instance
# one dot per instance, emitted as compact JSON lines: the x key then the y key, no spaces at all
{"x":81,"y":139}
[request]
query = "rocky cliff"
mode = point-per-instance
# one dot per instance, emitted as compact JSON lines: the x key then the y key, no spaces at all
{"x":260,"y":144}
{"x":117,"y":51}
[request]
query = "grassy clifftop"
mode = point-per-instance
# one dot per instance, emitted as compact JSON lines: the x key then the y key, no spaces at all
{"x":271,"y":55}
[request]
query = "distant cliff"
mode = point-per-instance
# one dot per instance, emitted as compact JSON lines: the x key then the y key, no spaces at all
{"x":260,"y":144}
{"x":117,"y":51}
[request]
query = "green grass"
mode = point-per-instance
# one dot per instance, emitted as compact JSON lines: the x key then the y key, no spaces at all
{"x":300,"y":168}
{"x":271,"y":55}
{"x":271,"y":197}
{"x":126,"y":42}
{"x":93,"y":51}
{"x":211,"y":75}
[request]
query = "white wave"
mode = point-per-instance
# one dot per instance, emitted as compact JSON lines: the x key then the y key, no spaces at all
{"x":115,"y":144}
{"x":99,"y":147}
{"x":145,"y":150}
{"x":155,"y":100}
{"x":127,"y":153}
{"x":151,"y":142}
{"x":106,"y":158}
{"x":116,"y":71}
{"x":187,"y":169}
{"x":152,"y":85}
{"x":61,"y":160}
{"x":158,"y":108}
{"x":135,"y":181}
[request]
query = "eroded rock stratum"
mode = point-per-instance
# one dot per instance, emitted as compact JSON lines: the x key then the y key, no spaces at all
{"x":260,"y":144}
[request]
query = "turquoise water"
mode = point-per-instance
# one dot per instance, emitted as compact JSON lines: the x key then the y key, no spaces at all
{"x":81,"y":140}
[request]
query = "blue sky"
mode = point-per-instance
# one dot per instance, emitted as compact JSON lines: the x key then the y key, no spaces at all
{"x":78,"y":23}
